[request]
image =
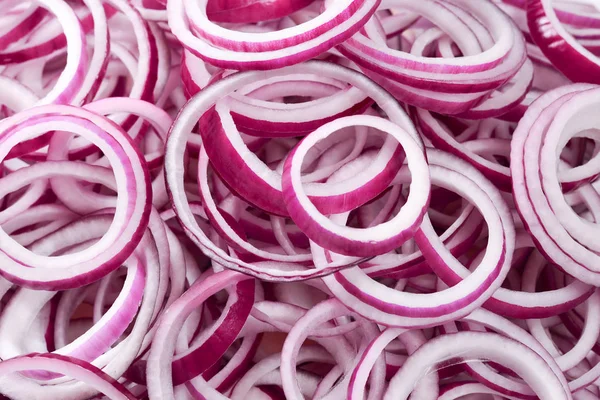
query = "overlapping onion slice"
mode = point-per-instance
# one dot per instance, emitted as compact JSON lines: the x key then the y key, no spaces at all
{"x":564,"y":51}
{"x":262,"y":186}
{"x":131,"y":181}
{"x":113,"y":335}
{"x":483,"y":144}
{"x":537,"y":172}
{"x":491,"y":77}
{"x":368,"y":297}
{"x":225,"y":48}
{"x":392,"y":199}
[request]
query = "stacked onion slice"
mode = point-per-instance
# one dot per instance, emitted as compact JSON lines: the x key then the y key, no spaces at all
{"x":482,"y":70}
{"x":290,"y":199}
{"x":226,"y":48}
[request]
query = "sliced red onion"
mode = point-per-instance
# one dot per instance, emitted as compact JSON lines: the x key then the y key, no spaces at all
{"x":394,"y":308}
{"x":348,"y":241}
{"x":426,"y":82}
{"x":61,"y":364}
{"x":223,"y":48}
{"x":530,"y":196}
{"x":202,"y":103}
{"x":131,"y":176}
{"x":419,"y":203}
{"x":332,"y":100}
{"x":219,"y":132}
{"x":195,"y":361}
{"x":161,"y":353}
{"x":561,"y":48}
{"x":71,"y":79}
{"x":442,"y":138}
{"x":248,"y":11}
{"x":474,"y":344}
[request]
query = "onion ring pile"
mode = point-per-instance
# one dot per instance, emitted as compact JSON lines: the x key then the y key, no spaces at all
{"x":290,"y":199}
